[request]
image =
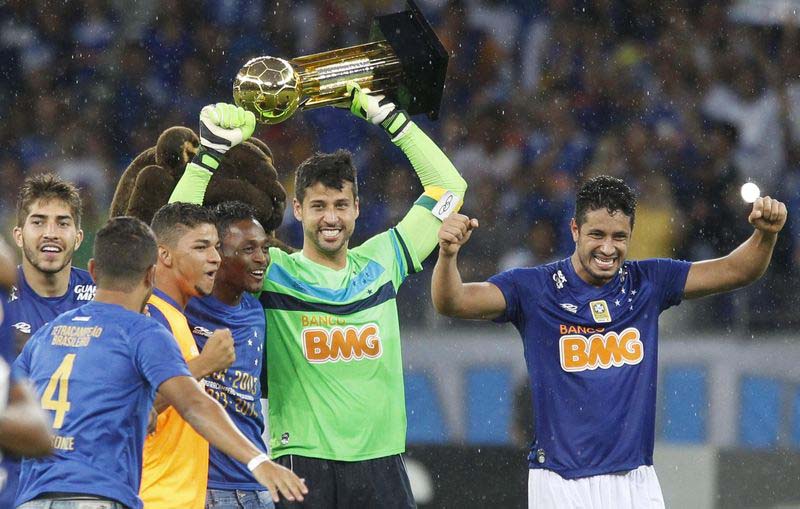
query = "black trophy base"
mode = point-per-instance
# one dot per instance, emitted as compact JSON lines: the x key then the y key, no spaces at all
{"x":422,"y":56}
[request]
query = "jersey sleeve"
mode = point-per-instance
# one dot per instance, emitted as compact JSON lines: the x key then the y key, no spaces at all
{"x":420,"y":227}
{"x":507,"y":283}
{"x":157,"y":356}
{"x":669,"y":277}
{"x":191,"y":188}
{"x":21,"y":368}
{"x":391,"y":250}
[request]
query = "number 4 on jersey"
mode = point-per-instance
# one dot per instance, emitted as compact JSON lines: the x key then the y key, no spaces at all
{"x":61,"y":404}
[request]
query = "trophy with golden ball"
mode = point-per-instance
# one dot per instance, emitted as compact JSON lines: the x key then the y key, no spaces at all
{"x":404,"y":61}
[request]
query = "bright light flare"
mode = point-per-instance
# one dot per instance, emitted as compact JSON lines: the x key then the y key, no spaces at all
{"x":750,"y":192}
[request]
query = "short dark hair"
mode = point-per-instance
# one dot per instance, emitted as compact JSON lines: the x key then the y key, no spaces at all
{"x":229,"y":212}
{"x":172,"y":221}
{"x":332,"y":170}
{"x":605,"y":192}
{"x":123,"y":251}
{"x":48,"y":186}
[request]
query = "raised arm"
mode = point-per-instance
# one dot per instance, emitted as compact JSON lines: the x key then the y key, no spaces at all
{"x":451,"y":296}
{"x":746,"y":263}
{"x":222,"y":126}
{"x":443,"y":186}
{"x":211,"y":421}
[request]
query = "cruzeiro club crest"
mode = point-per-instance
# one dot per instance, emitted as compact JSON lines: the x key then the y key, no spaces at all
{"x":559,"y":279}
{"x":600,"y":311}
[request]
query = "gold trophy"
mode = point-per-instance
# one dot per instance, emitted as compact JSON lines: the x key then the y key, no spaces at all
{"x":405,"y":61}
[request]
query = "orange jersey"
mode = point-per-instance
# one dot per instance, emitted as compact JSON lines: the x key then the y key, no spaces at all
{"x":175,"y":462}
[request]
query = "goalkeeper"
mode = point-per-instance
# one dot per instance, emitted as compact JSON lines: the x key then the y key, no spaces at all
{"x":337,"y":406}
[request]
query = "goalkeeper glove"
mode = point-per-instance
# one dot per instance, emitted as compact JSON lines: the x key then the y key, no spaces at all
{"x":222,"y":126}
{"x":377,"y":110}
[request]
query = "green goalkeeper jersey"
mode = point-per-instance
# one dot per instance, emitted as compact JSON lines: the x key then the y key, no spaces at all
{"x":334,"y":364}
{"x":334,"y":352}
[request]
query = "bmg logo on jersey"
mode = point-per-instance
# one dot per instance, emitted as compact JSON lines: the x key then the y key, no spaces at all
{"x":581,"y":353}
{"x":342,"y":343}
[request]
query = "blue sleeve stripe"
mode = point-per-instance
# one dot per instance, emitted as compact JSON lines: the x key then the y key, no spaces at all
{"x":410,"y":269}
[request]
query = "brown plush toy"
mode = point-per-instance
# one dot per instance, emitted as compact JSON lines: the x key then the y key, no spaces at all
{"x":246,"y":173}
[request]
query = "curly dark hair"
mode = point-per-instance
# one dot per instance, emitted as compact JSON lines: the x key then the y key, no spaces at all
{"x":605,"y":192}
{"x":332,"y":170}
{"x":229,"y":212}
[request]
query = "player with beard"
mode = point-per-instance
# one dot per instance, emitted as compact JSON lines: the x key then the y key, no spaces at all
{"x":244,"y":251}
{"x":175,"y":464}
{"x":337,"y":403}
{"x":589,"y":326}
{"x":48,"y":232}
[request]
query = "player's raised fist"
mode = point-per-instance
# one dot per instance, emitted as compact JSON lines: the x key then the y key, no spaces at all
{"x":223,"y":126}
{"x":219,"y":354}
{"x":768,"y":214}
{"x":455,"y":232}
{"x":280,"y":480}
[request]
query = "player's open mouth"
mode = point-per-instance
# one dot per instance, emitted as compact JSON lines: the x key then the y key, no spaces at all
{"x":330,"y":233}
{"x":50,"y":248}
{"x":603,"y":262}
{"x":211,"y":274}
{"x":258,"y":274}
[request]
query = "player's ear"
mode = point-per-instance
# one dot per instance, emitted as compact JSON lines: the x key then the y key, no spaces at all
{"x":150,"y":278}
{"x":164,"y":255}
{"x":92,"y":269}
{"x":573,"y":227}
{"x":358,"y":210}
{"x":17,"y":234}
{"x":78,"y":239}
{"x":297,"y":208}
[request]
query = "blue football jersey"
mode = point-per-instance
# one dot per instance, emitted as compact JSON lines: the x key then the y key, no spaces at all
{"x":30,"y":311}
{"x":27,"y":313}
{"x":237,"y":388}
{"x":96,"y":370}
{"x":591,"y":355}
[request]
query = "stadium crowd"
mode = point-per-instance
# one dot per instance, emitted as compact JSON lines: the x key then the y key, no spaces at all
{"x":676,"y":98}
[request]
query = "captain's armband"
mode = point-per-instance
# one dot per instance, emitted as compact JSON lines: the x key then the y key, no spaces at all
{"x":440,"y":202}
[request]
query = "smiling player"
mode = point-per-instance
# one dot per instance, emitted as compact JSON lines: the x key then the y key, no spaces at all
{"x":337,"y":408}
{"x":589,"y":326}
{"x":244,"y":251}
{"x":48,"y":232}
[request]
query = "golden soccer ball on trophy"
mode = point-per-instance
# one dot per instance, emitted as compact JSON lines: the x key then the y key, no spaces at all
{"x":404,"y":61}
{"x":269,"y":87}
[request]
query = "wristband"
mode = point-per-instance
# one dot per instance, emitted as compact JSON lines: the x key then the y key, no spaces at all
{"x":257,"y":461}
{"x":208,"y":159}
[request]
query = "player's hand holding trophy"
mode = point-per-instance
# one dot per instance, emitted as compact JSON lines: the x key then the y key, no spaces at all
{"x":405,"y":61}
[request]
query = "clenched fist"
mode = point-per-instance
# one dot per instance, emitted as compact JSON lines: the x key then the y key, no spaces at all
{"x":768,"y":215}
{"x":455,"y":232}
{"x":218,"y":354}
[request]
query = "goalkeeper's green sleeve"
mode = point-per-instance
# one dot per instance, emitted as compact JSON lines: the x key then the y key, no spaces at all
{"x":440,"y":181}
{"x":191,"y":188}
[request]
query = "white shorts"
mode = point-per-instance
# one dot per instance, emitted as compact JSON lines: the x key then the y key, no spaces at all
{"x":637,"y":489}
